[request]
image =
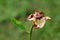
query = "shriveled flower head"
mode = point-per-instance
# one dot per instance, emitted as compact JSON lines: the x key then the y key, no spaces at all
{"x":38,"y":19}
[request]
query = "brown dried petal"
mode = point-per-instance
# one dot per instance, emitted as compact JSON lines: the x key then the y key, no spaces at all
{"x":35,"y":26}
{"x":39,"y":15}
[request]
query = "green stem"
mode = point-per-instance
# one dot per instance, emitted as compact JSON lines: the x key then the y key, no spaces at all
{"x":31,"y":32}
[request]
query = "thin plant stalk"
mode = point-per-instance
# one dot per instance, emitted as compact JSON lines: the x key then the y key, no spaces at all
{"x":31,"y":32}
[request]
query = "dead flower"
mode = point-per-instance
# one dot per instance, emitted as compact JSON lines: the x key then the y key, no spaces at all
{"x":38,"y":19}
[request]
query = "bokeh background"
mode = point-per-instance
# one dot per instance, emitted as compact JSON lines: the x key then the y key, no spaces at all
{"x":20,"y":9}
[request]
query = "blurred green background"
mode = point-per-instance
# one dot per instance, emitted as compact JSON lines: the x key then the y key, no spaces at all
{"x":20,"y":9}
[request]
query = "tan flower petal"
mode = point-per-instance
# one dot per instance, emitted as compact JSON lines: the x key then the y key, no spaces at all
{"x":46,"y":18}
{"x":31,"y":17}
{"x":42,"y":23}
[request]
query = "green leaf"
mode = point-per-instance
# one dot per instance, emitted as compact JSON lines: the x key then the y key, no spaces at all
{"x":19,"y":24}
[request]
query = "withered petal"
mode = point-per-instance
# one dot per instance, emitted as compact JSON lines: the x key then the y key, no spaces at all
{"x":39,"y":15}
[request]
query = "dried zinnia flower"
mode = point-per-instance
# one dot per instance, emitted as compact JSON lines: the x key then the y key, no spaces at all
{"x":38,"y":19}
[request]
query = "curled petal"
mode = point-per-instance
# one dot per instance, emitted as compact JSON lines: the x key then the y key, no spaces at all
{"x":41,"y":25}
{"x":30,"y":17}
{"x":43,"y":21}
{"x":39,"y":15}
{"x":46,"y":18}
